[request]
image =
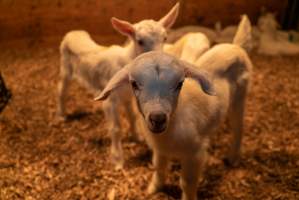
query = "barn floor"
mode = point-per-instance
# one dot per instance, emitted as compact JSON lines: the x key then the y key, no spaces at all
{"x":41,"y":158}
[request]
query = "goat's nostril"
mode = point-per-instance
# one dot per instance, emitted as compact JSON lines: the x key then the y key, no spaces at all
{"x":157,"y":118}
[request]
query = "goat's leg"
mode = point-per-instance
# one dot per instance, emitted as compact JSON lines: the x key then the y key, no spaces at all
{"x":160,"y":164}
{"x":62,"y":91}
{"x":131,"y":116}
{"x":236,"y":120}
{"x":112,"y":116}
{"x":63,"y":84}
{"x":192,"y":169}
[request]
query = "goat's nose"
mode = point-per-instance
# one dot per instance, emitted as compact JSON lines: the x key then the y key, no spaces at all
{"x":157,"y":118}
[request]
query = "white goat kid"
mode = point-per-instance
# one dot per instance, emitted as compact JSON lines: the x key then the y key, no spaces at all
{"x":273,"y":41}
{"x":93,"y":66}
{"x":177,"y":116}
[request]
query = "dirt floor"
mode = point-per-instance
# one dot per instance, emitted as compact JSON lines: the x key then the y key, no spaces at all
{"x":42,"y":159}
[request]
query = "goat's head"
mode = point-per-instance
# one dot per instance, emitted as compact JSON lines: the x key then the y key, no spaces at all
{"x":268,"y":23}
{"x":156,"y":79}
{"x":147,"y":35}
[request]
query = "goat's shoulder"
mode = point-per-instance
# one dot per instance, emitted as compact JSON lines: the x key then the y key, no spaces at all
{"x":201,"y":108}
{"x":193,"y":100}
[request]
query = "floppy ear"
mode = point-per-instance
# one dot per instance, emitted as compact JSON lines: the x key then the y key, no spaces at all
{"x":168,"y":20}
{"x":200,"y":76}
{"x":123,"y":27}
{"x":119,"y":79}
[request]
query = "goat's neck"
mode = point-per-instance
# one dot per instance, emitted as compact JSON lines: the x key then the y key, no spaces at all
{"x":130,"y":50}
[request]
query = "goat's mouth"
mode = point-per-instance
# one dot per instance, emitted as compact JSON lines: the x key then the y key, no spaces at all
{"x":157,"y":129}
{"x":157,"y":126}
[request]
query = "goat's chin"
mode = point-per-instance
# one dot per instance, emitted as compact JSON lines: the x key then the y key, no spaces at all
{"x":157,"y":130}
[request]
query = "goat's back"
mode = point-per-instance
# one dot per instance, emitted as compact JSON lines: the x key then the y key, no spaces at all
{"x":79,"y":42}
{"x":225,"y":61}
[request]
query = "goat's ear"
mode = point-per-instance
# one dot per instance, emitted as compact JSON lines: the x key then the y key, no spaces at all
{"x":169,"y":19}
{"x":119,"y":79}
{"x":123,"y":27}
{"x":202,"y":77}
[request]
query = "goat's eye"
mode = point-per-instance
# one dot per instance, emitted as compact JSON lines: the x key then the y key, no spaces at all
{"x":140,"y":42}
{"x":134,"y":85}
{"x":179,"y":86}
{"x":164,"y":39}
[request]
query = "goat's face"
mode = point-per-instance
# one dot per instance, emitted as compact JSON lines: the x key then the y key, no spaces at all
{"x":156,"y":84}
{"x":267,"y":23}
{"x":147,"y":35}
{"x":156,"y":79}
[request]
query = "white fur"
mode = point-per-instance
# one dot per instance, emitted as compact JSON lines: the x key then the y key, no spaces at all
{"x":225,"y":35}
{"x":272,"y":41}
{"x":189,"y":47}
{"x":93,"y":65}
{"x":176,"y":34}
{"x":196,"y":115}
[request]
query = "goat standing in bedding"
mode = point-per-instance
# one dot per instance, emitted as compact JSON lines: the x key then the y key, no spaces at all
{"x":93,"y":66}
{"x":178,"y":117}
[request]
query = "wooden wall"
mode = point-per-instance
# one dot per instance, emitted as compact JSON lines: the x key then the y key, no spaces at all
{"x":49,"y":20}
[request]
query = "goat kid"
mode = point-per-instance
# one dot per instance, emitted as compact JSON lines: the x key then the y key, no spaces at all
{"x":177,"y":116}
{"x":273,"y":41}
{"x":93,"y":65}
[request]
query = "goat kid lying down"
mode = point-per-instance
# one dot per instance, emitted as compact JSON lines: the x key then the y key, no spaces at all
{"x":93,"y":65}
{"x":273,"y":41}
{"x":178,"y":117}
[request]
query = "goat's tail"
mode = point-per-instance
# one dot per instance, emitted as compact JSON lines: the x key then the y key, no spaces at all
{"x":243,"y":37}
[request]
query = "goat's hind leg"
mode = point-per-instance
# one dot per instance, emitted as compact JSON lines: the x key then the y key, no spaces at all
{"x":236,"y":121}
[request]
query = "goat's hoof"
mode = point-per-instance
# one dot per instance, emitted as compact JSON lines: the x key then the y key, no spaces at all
{"x":231,"y":162}
{"x":201,"y":180}
{"x":118,"y":166}
{"x":60,"y":118}
{"x":118,"y":162}
{"x":184,"y":197}
{"x":153,"y":188}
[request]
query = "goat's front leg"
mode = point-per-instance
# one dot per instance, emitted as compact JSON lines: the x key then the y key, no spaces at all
{"x":63,"y":85}
{"x":192,"y":169}
{"x":131,"y":116}
{"x":236,"y":120}
{"x":160,"y":164}
{"x":113,"y":119}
